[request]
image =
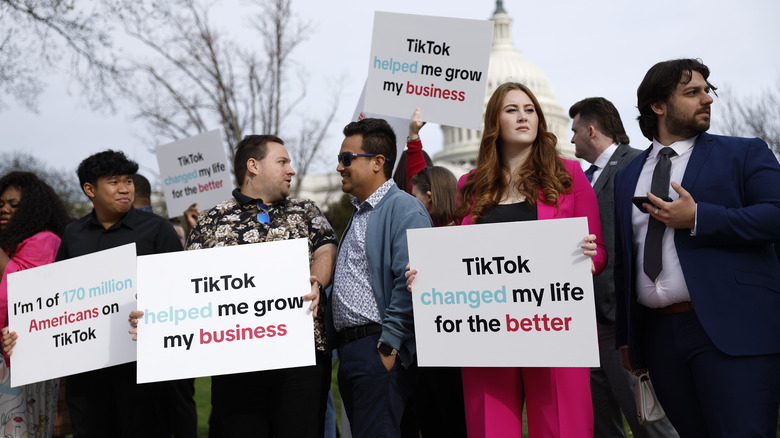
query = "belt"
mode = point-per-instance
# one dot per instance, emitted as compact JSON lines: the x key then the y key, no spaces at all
{"x":675,"y":308}
{"x":349,"y":334}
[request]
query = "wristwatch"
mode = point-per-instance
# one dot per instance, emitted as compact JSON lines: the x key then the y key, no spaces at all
{"x":386,"y":349}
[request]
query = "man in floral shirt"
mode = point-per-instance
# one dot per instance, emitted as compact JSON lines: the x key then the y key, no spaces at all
{"x":275,"y":403}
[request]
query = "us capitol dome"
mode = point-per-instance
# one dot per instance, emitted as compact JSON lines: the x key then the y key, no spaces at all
{"x":507,"y":64}
{"x":460,"y":145}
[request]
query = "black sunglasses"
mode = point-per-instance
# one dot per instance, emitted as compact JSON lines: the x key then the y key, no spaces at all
{"x":263,"y":217}
{"x":345,"y":158}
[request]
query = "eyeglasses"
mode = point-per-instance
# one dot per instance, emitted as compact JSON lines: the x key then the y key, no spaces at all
{"x":345,"y":158}
{"x":263,"y":217}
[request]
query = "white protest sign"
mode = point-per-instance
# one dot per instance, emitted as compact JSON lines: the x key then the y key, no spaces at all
{"x":435,"y":63}
{"x":504,"y":295}
{"x":400,"y":126}
{"x":224,"y":310}
{"x":71,"y":316}
{"x":194,"y":170}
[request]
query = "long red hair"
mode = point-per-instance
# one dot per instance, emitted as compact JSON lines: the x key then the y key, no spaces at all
{"x":543,"y":171}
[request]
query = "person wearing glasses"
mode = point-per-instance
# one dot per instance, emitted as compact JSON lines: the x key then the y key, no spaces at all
{"x":370,"y":308}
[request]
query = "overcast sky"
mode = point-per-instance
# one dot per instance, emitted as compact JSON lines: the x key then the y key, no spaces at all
{"x":595,"y":48}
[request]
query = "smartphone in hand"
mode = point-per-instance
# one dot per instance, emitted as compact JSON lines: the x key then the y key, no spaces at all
{"x":639,"y":200}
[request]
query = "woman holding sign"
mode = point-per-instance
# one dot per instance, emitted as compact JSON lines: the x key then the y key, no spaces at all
{"x":32,"y":217}
{"x":519,"y":177}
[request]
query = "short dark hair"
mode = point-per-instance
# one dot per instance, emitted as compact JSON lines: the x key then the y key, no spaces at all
{"x":603,"y":114}
{"x":40,"y":209}
{"x":252,"y":146}
{"x":659,"y":84}
{"x":142,"y":187}
{"x":378,"y":138}
{"x":106,"y":163}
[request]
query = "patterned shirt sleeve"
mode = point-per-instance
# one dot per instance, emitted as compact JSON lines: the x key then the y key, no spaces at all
{"x":320,"y":230}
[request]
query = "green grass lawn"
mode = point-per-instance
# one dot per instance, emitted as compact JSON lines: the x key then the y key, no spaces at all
{"x":203,"y":401}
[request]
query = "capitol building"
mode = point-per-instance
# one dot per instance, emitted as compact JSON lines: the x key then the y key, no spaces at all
{"x":459,"y":152}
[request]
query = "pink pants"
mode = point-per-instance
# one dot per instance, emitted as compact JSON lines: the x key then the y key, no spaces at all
{"x":559,"y":402}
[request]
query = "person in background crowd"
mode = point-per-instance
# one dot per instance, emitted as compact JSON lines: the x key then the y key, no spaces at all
{"x":32,"y":219}
{"x":143,"y":193}
{"x":600,"y":139}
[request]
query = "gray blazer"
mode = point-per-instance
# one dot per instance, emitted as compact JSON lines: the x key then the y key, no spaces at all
{"x":604,"y":284}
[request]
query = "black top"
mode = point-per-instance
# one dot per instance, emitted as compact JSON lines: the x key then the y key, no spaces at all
{"x":521,"y":211}
{"x":151,"y":233}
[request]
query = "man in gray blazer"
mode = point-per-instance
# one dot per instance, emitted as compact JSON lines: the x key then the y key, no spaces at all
{"x":600,"y":139}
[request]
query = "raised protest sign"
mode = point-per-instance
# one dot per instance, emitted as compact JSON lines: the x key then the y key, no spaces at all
{"x":436,"y":64}
{"x":224,"y":310}
{"x":71,"y":316}
{"x":503,"y":295}
{"x":194,"y":170}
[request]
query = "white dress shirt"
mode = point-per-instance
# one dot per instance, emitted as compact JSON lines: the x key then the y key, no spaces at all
{"x":602,"y":161}
{"x":669,"y":287}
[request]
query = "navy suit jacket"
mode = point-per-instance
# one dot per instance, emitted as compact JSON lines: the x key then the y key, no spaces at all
{"x":730,"y":268}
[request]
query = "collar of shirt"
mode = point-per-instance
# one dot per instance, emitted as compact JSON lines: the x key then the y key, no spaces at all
{"x":603,"y":159}
{"x":244,"y":199}
{"x":375,"y":197}
{"x":679,"y":146}
{"x":129,"y":220}
{"x":601,"y":162}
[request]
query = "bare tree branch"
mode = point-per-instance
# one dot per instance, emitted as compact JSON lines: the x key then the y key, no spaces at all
{"x":753,"y":116}
{"x":35,"y":37}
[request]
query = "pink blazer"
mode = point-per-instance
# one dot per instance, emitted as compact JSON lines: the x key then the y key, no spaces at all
{"x":581,"y":202}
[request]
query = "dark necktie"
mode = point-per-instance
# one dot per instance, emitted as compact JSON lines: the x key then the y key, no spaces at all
{"x":591,"y":170}
{"x":655,"y":228}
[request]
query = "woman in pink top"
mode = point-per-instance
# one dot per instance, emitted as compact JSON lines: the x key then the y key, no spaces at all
{"x":519,"y":176}
{"x":32,"y":217}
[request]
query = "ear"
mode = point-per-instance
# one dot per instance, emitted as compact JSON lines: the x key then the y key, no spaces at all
{"x":89,"y":189}
{"x":659,"y":108}
{"x":378,"y":163}
{"x":591,"y":132}
{"x":428,"y":194}
{"x":252,"y":167}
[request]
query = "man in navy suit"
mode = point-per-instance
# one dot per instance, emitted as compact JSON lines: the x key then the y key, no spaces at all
{"x":600,"y":139}
{"x":698,"y":304}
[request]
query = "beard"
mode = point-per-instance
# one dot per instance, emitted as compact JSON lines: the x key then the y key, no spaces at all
{"x":683,"y":126}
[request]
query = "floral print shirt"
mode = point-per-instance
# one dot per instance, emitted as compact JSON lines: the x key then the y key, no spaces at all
{"x":234,"y":222}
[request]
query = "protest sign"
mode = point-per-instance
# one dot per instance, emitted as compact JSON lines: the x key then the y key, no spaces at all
{"x":501,"y":295}
{"x":435,"y":63}
{"x":71,"y":316}
{"x":194,"y":170}
{"x":224,"y":310}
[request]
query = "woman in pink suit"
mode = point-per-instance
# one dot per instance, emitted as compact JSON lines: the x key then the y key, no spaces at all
{"x":519,"y":176}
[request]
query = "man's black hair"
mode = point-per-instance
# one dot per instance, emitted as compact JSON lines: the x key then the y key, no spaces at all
{"x":378,"y":138}
{"x":106,"y":163}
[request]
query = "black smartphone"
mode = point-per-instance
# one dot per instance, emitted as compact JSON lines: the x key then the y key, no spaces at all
{"x":639,"y":200}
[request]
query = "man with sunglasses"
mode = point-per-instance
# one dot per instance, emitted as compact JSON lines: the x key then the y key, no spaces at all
{"x":287,"y":402}
{"x":371,"y":309}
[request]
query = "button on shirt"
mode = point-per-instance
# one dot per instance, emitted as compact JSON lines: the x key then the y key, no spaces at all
{"x":354,"y":303}
{"x":669,"y":287}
